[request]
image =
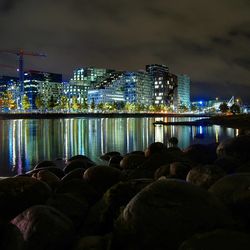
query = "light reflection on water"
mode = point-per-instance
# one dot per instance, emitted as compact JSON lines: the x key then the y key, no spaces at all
{"x":23,"y":143}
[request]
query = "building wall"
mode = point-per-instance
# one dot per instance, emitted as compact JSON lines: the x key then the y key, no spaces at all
{"x":164,"y":84}
{"x":183,"y":91}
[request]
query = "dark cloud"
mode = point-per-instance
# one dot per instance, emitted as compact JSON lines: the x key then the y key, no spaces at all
{"x":208,"y":40}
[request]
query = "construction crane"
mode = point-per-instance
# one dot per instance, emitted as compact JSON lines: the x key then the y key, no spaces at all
{"x":21,"y":53}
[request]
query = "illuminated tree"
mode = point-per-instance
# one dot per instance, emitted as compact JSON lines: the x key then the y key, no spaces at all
{"x":85,"y":105}
{"x":100,"y":106}
{"x":39,"y":102}
{"x":75,"y":104}
{"x":25,"y":103}
{"x":52,"y":103}
{"x":64,"y":103}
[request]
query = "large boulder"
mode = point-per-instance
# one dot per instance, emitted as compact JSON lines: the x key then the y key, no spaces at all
{"x":45,"y":228}
{"x":44,"y":175}
{"x":19,"y":193}
{"x":217,"y":240}
{"x":74,"y":208}
{"x":10,"y":237}
{"x":201,"y":153}
{"x":102,"y":177}
{"x":55,"y":170}
{"x":102,"y":215}
{"x":80,"y":189}
{"x":165,"y":213}
{"x":205,"y":176}
{"x":132,"y":161}
{"x":237,"y":147}
{"x":234,"y":191}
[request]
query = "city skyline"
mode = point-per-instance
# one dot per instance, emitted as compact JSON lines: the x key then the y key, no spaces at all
{"x":206,"y":40}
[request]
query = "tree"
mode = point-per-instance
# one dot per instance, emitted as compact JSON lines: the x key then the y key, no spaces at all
{"x":39,"y":102}
{"x":92,"y":105}
{"x":235,"y":109}
{"x":224,"y":107}
{"x":64,"y":103}
{"x":52,"y":103}
{"x":85,"y":105}
{"x":75,"y":104}
{"x":25,"y":103}
{"x":100,"y":106}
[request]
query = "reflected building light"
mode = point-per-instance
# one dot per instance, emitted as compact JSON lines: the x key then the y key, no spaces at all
{"x":216,"y":134}
{"x":128,"y":125}
{"x":158,"y":134}
{"x":236,"y":132}
{"x":201,"y":130}
{"x":102,"y":138}
{"x":66,"y":139}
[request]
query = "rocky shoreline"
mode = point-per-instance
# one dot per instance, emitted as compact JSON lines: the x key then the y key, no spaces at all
{"x":157,"y":199}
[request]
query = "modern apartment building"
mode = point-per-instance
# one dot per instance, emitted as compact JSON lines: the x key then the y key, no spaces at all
{"x":164,"y":84}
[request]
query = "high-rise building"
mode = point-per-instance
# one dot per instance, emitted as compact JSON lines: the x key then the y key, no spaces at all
{"x":164,"y":84}
{"x":138,"y":87}
{"x":45,"y":84}
{"x":182,"y":94}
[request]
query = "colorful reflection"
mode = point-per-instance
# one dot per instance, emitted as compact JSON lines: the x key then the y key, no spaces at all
{"x":24,"y":143}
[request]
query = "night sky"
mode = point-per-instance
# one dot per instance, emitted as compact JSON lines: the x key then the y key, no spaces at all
{"x":208,"y":40}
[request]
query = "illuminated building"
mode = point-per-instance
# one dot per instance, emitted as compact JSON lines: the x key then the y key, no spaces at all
{"x":44,"y":84}
{"x":88,"y":78}
{"x":138,"y":87}
{"x":182,"y":92}
{"x":164,"y":84}
{"x":110,"y":90}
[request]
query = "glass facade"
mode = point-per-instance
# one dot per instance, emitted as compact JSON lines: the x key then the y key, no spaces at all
{"x":43,"y":83}
{"x":183,"y":91}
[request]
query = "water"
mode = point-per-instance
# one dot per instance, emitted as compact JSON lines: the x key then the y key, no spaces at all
{"x":23,"y":143}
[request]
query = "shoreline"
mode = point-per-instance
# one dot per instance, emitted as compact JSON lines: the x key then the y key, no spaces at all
{"x":233,"y":121}
{"x":9,"y":116}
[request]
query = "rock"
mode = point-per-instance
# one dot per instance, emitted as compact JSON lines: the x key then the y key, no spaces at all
{"x":73,"y":208}
{"x":102,"y":215}
{"x":162,"y":171}
{"x":237,"y":148}
{"x":205,"y":176}
{"x":74,"y":174}
{"x":44,"y":175}
{"x":45,"y":228}
{"x":102,"y":177}
{"x":93,"y":242}
{"x":165,"y":213}
{"x":228,"y":164}
{"x":80,"y":189}
{"x":109,"y":155}
{"x":44,"y":164}
{"x":17,"y":194}
{"x":10,"y":237}
{"x":78,"y":163}
{"x":155,"y":148}
{"x":234,"y":191}
{"x":114,"y":161}
{"x":179,"y":170}
{"x":201,"y":153}
{"x":132,"y":161}
{"x":57,"y":171}
{"x":217,"y":240}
